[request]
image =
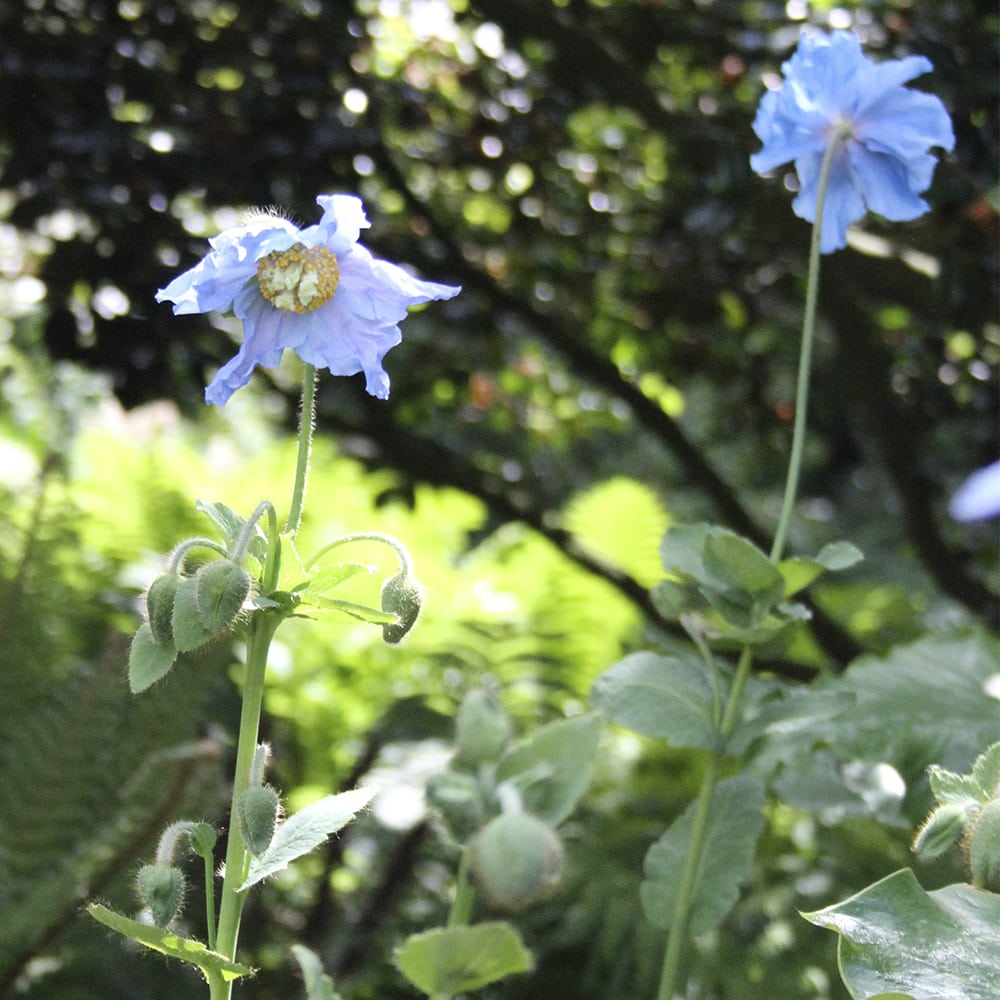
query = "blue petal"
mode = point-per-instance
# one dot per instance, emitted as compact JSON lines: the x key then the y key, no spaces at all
{"x":843,"y":204}
{"x":886,"y":184}
{"x":215,"y":281}
{"x":979,"y":496}
{"x":907,"y":123}
{"x":266,"y":333}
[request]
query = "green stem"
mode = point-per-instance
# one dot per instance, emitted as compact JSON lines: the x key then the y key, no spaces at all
{"x":210,"y":901}
{"x":805,"y":354}
{"x":699,"y":827}
{"x":261,"y":632}
{"x":461,"y":906}
{"x":307,"y":421}
{"x":699,"y":835}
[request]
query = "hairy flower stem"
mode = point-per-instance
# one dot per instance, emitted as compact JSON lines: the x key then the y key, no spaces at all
{"x":670,"y":975}
{"x":261,"y":632}
{"x":307,"y":423}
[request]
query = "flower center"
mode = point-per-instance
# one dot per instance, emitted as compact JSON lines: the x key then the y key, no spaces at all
{"x":298,"y":279}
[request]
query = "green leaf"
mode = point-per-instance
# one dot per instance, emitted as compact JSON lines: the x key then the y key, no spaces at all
{"x":986,"y":772}
{"x":736,"y":820}
{"x":189,"y":631}
{"x":231,"y":524}
{"x":453,"y":960}
{"x":332,"y":576}
{"x":319,"y":986}
{"x":798,"y":573}
{"x":837,"y":556}
{"x":194,"y":952}
{"x":953,"y":789}
{"x":665,"y":697}
{"x":148,"y":660}
{"x":732,"y":562}
{"x":554,"y":765}
{"x":317,"y":604}
{"x":306,"y":830}
{"x":681,"y":550}
{"x":895,"y":937}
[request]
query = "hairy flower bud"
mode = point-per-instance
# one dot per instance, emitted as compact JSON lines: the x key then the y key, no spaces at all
{"x":403,"y":597}
{"x":160,"y":606}
{"x":983,"y":844}
{"x":941,"y":830}
{"x":517,"y":859}
{"x":223,"y":586}
{"x":258,"y":808}
{"x":161,"y":888}
{"x":482,"y":729}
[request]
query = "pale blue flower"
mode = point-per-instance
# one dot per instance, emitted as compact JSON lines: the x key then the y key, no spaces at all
{"x":979,"y":496}
{"x":314,"y":290}
{"x":884,"y":164}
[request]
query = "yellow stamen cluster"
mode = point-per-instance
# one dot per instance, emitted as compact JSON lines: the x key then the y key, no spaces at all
{"x":298,"y":279}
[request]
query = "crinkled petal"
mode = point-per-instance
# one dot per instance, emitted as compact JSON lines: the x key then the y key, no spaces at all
{"x":380,"y":292}
{"x":876,"y":80}
{"x":787,"y":131}
{"x":906,"y":123}
{"x":215,"y":281}
{"x":843,"y":204}
{"x":345,"y":343}
{"x":887,"y":184}
{"x":266,"y":333}
{"x":979,"y":496}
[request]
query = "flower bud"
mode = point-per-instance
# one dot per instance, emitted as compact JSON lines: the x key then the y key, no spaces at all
{"x":482,"y":729}
{"x":189,"y":632}
{"x":517,"y":859}
{"x":160,"y":606}
{"x":402,"y":596}
{"x":984,"y":848}
{"x":941,"y":830}
{"x":161,"y":888}
{"x":223,"y":586}
{"x":258,"y":809}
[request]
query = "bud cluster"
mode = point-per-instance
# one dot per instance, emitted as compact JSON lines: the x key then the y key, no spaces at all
{"x":516,"y":858}
{"x":967,"y":814}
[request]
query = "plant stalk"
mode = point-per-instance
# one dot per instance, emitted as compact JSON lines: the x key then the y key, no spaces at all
{"x":307,"y":424}
{"x":699,"y":828}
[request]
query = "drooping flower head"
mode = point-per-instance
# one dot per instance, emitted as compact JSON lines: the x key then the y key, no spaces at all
{"x":316,"y":291}
{"x":883,"y":163}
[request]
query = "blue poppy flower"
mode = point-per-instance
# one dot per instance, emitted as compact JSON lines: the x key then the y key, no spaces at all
{"x":979,"y":496}
{"x":883,"y":163}
{"x":314,"y":290}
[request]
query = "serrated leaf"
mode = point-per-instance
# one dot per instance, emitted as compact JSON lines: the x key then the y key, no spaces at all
{"x":318,"y":604}
{"x":319,"y":986}
{"x":189,"y":632}
{"x":450,"y":960}
{"x":665,"y":697}
{"x":187,"y":950}
{"x":986,"y":772}
{"x":306,"y":830}
{"x":951,"y":788}
{"x":735,"y":823}
{"x":895,"y":937}
{"x":555,"y":762}
{"x":148,"y":660}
